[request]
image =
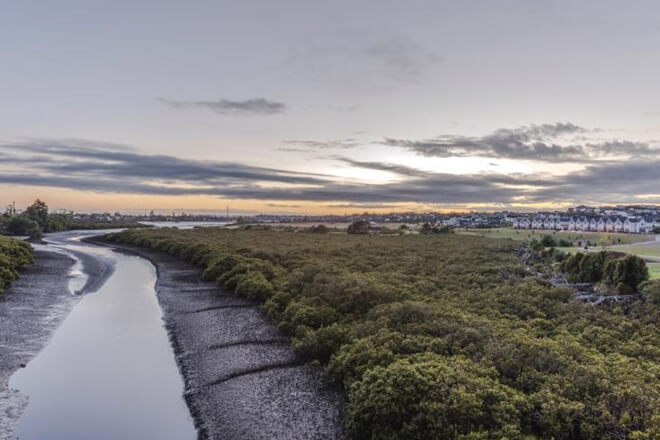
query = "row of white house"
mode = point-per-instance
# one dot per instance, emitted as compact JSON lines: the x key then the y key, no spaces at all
{"x":635,"y":225}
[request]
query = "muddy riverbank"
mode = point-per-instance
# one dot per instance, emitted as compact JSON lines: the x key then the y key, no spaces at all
{"x":29,"y":312}
{"x":242,"y":380}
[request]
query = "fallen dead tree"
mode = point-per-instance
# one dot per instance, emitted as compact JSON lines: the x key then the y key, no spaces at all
{"x":596,"y":299}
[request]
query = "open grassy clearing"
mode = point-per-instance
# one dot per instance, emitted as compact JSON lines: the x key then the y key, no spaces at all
{"x":654,"y":271}
{"x":596,"y":238}
{"x":441,"y":336}
{"x":642,"y":251}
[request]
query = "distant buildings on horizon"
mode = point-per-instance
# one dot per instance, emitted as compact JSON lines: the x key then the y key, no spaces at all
{"x":619,"y":218}
{"x":634,"y":219}
{"x":633,"y":225}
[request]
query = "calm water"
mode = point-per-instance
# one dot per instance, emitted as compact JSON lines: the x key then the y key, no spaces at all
{"x":109,"y":371}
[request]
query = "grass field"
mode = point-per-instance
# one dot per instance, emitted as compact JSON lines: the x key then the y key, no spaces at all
{"x":642,"y":251}
{"x":654,"y":271}
{"x":597,"y":238}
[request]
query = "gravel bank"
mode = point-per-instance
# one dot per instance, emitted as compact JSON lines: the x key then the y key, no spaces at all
{"x":242,"y":380}
{"x":29,"y":312}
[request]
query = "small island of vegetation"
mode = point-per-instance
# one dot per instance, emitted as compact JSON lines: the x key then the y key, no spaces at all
{"x":445,"y":336}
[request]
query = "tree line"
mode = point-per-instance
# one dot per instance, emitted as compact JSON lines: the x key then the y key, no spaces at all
{"x":36,"y":220}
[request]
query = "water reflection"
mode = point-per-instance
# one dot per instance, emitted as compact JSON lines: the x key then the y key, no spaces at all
{"x":109,"y":371}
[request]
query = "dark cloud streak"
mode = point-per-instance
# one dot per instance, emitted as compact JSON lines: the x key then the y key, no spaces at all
{"x":548,"y":142}
{"x":337,"y":144}
{"x":101,"y":168}
{"x":255,"y":106}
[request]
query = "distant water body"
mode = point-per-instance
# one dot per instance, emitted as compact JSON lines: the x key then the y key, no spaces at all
{"x":185,"y":225}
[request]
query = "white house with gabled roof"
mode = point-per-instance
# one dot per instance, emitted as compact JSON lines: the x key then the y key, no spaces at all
{"x":572,"y":224}
{"x":563,"y":223}
{"x":609,"y":224}
{"x":618,"y":224}
{"x":631,"y":225}
{"x":549,"y":223}
{"x":646,"y":225}
{"x":582,"y":224}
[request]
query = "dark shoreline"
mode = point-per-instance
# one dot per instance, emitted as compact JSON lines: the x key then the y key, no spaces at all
{"x":29,"y":313}
{"x":242,"y":380}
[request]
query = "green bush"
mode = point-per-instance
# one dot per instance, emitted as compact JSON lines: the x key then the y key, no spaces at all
{"x":15,"y":255}
{"x":651,"y":290}
{"x":321,"y":343}
{"x":359,"y":227}
{"x":20,"y":225}
{"x":626,"y":273}
{"x":564,"y":243}
{"x":432,"y":397}
{"x":548,"y":241}
{"x":319,"y":229}
{"x":255,"y":286}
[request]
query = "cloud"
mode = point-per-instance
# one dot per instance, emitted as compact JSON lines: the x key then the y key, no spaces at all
{"x":82,"y":159}
{"x":443,"y":188}
{"x":344,"y":108}
{"x":337,"y":144}
{"x":100,"y":167}
{"x":363,"y":206}
{"x":401,"y":59}
{"x":357,"y":66}
{"x":381,"y":166}
{"x":255,"y":106}
{"x":283,"y":205}
{"x":560,"y":142}
{"x":618,"y":181}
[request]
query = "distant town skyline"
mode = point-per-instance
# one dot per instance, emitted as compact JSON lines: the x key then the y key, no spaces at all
{"x":311,"y":107}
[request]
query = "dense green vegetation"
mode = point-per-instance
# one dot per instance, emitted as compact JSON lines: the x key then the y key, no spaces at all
{"x":36,"y":220}
{"x":622,"y":272}
{"x":14,"y":256}
{"x":443,"y":336}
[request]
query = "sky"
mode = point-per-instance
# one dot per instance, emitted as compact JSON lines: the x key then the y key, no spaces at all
{"x":329,"y":107}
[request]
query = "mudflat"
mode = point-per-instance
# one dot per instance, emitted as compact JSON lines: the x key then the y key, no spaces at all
{"x":29,"y":312}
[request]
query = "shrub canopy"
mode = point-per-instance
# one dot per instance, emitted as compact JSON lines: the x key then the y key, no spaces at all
{"x":442,"y":336}
{"x":15,"y":255}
